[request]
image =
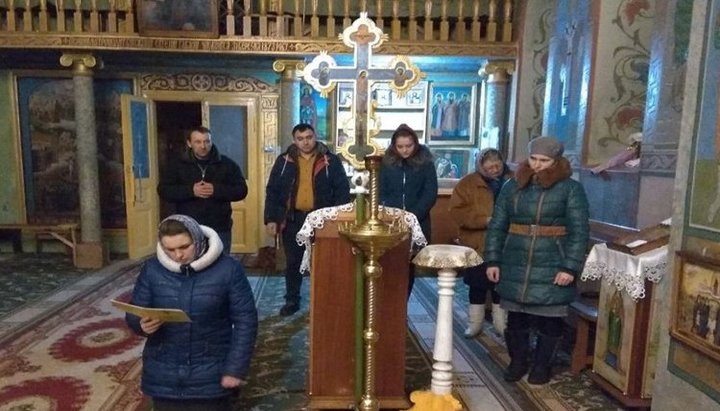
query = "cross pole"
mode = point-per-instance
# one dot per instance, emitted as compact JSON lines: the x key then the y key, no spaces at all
{"x":323,"y":74}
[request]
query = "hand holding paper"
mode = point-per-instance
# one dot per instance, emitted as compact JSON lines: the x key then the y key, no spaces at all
{"x":169,"y":315}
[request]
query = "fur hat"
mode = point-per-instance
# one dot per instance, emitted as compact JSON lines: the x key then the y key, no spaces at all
{"x":547,"y":146}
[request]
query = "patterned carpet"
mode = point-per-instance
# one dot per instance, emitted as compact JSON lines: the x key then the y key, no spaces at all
{"x":85,"y":358}
{"x":28,"y":277}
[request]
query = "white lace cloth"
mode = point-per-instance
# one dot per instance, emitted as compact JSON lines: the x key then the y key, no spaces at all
{"x":317,"y":218}
{"x":626,"y":272}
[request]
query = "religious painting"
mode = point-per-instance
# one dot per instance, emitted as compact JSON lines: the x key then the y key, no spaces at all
{"x":381,"y":93}
{"x":178,"y":18}
{"x":416,"y":96}
{"x":704,"y":197}
{"x":696,"y":303}
{"x":389,"y":101}
{"x":451,"y":114}
{"x":451,"y":163}
{"x":47,"y":132}
{"x":613,"y":338}
{"x":345,"y":94}
{"x":314,"y":111}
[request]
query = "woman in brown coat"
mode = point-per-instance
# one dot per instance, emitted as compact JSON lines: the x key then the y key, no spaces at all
{"x":471,"y":206}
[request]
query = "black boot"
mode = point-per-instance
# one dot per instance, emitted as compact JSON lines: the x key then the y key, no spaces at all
{"x":544,"y":355}
{"x":518,"y":346}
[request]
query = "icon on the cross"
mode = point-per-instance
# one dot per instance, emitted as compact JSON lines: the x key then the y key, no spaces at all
{"x":323,"y":74}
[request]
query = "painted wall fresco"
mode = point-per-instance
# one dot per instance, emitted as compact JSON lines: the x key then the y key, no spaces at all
{"x":619,"y":86}
{"x":704,"y":202}
{"x":567,"y":80}
{"x":47,"y":128}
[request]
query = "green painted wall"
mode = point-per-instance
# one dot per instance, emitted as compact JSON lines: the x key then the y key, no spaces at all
{"x":10,"y":188}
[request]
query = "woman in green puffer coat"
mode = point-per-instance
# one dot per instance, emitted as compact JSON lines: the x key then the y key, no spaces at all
{"x":535,"y":248}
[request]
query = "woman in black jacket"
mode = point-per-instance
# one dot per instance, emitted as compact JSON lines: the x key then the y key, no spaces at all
{"x":408,"y":180}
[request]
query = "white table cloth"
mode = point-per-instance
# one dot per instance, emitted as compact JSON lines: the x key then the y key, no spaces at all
{"x":317,"y":218}
{"x":626,"y":272}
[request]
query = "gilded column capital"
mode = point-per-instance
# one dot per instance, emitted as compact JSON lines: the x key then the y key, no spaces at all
{"x":497,"y":71}
{"x":289,"y":68}
{"x":82,"y":64}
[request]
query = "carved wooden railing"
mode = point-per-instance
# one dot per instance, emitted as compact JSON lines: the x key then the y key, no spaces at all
{"x":450,"y":26}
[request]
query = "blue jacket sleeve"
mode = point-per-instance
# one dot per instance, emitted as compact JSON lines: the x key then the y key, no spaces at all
{"x":243,"y":315}
{"x":142,"y":296}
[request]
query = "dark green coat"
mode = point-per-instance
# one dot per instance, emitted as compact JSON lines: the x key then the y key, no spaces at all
{"x":528,"y":265}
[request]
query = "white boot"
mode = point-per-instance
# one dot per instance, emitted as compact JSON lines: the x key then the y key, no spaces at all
{"x":499,"y":317}
{"x":476,"y":316}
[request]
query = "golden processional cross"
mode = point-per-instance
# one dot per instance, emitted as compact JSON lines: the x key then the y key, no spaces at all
{"x":323,"y":74}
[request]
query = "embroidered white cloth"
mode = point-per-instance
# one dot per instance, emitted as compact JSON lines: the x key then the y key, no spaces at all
{"x":317,"y":218}
{"x":626,"y":272}
{"x":447,"y":256}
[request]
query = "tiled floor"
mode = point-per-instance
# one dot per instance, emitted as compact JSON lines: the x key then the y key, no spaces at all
{"x":468,"y":384}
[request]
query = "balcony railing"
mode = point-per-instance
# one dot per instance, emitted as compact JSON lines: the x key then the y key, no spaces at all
{"x":452,"y":27}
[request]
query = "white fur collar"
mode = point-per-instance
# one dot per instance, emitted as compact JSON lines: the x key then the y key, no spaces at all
{"x":215,"y":249}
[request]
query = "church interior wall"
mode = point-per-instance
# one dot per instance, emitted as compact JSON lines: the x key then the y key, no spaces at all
{"x":613,"y":196}
{"x":531,"y":76}
{"x":686,"y":377}
{"x":225,"y":74}
{"x":619,"y":80}
{"x":10,"y":208}
{"x":654,"y":198}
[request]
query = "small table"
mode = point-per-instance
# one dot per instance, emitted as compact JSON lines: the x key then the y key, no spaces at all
{"x":623,"y":361}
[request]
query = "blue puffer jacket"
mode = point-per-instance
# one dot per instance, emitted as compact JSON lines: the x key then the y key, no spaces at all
{"x":188,"y":360}
{"x":529,"y":264}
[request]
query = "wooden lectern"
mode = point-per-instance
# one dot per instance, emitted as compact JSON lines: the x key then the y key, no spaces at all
{"x":331,"y":376}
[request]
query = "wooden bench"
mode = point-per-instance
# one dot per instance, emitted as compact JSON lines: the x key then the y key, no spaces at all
{"x":65,"y":233}
{"x":582,"y":354}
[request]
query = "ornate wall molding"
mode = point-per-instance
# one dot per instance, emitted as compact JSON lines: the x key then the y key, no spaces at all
{"x":204,"y":83}
{"x":268,"y":102}
{"x":656,"y":161}
{"x":259,"y":46}
{"x":270,"y":138}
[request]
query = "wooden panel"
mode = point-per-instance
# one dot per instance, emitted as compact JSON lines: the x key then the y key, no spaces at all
{"x":141,"y":175}
{"x":331,"y":377}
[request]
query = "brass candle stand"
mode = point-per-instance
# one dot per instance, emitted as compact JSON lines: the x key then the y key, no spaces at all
{"x":373,"y":237}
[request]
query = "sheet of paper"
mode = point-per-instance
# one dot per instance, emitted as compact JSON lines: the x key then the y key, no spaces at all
{"x":635,"y":243}
{"x":169,"y":315}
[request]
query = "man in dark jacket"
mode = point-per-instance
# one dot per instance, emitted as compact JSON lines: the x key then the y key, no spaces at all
{"x":304,"y":178}
{"x":202,"y":183}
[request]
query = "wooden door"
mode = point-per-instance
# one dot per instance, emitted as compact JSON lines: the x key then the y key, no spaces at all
{"x":233,"y":122}
{"x":141,"y":175}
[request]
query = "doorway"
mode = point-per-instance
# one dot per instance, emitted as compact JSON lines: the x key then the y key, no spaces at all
{"x":175,"y":119}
